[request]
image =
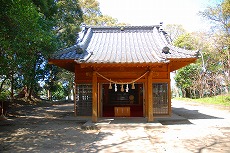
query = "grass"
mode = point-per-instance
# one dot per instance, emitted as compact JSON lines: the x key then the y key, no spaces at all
{"x":223,"y":100}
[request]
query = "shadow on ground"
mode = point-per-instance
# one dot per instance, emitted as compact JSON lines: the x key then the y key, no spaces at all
{"x":42,"y":135}
{"x":45,"y":129}
{"x":183,"y":116}
{"x":192,"y":114}
{"x":180,"y":116}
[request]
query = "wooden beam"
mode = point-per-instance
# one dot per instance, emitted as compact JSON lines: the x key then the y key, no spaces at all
{"x":177,"y":64}
{"x":94,"y":96}
{"x":160,"y":80}
{"x":101,"y":80}
{"x":114,"y":65}
{"x":150,"y":97}
{"x":66,"y":64}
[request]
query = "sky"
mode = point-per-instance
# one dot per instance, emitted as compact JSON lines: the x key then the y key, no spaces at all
{"x":152,"y":12}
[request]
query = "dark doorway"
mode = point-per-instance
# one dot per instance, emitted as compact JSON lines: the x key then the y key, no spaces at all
{"x":118,"y":103}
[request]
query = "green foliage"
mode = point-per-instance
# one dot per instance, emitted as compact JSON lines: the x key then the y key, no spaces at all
{"x":213,"y":64}
{"x":186,"y":41}
{"x":223,"y":100}
{"x":24,"y":35}
{"x":59,"y":91}
{"x":68,"y":18}
{"x":4,"y":94}
{"x":29,"y":34}
{"x":185,"y":76}
{"x":47,"y":7}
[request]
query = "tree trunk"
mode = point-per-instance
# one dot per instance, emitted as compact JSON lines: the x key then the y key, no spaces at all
{"x":69,"y":96}
{"x":70,"y":92}
{"x":49,"y":95}
{"x":2,"y":84}
{"x":183,"y":93}
{"x":73,"y":91}
{"x":228,"y":77}
{"x":30,"y":92}
{"x":12,"y":88}
{"x":187,"y":93}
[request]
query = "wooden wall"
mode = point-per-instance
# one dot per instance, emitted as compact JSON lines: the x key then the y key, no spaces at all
{"x":157,"y":73}
{"x":121,"y":74}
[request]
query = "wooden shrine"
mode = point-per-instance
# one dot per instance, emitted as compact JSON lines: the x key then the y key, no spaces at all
{"x":123,"y":71}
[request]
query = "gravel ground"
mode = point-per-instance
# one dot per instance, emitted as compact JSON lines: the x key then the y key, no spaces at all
{"x":192,"y":128}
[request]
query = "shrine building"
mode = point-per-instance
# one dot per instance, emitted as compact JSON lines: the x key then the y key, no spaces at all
{"x":123,"y":71}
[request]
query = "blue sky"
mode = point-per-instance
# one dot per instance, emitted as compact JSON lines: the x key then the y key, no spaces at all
{"x":152,"y":12}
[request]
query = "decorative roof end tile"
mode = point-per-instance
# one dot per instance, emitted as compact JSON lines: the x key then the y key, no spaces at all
{"x":166,"y":50}
{"x":79,"y":50}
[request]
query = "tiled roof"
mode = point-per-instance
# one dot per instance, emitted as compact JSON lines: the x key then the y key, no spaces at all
{"x":128,"y":44}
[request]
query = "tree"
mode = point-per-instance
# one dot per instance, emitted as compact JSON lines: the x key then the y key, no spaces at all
{"x":67,"y":78}
{"x":214,"y":49}
{"x":219,"y":15}
{"x":206,"y":78}
{"x":68,"y":19}
{"x":31,"y":31}
{"x":25,"y":36}
{"x":185,"y":78}
{"x":189,"y":79}
{"x":174,"y":31}
{"x":54,"y":78}
{"x":186,"y":41}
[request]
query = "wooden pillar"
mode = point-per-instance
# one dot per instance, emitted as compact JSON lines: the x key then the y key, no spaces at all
{"x":146,"y":96}
{"x":98,"y":99}
{"x":94,"y":96}
{"x":169,"y":99}
{"x":150,"y":97}
{"x":75,"y":92}
{"x":75,"y":100}
{"x":169,"y":92}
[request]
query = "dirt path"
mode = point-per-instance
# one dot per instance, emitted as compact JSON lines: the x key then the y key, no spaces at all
{"x":44,"y":129}
{"x":52,"y":128}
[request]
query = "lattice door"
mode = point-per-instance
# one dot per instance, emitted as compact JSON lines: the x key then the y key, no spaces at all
{"x":160,"y":99}
{"x":84,"y":99}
